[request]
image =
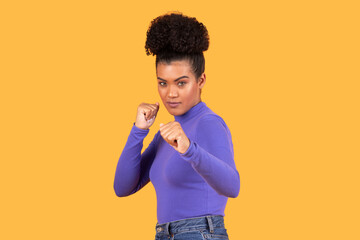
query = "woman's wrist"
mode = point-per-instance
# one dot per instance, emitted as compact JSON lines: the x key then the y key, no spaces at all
{"x":140,"y":127}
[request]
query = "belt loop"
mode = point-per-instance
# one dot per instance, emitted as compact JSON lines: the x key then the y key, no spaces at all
{"x":210,"y":224}
{"x":167,"y":228}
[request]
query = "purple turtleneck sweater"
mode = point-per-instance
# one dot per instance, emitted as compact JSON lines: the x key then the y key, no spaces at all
{"x":193,"y":184}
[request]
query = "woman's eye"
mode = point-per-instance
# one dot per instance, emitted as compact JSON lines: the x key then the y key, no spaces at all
{"x":181,"y":83}
{"x":162,"y":83}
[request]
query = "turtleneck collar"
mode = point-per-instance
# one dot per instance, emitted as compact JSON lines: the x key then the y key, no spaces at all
{"x":191,"y":113}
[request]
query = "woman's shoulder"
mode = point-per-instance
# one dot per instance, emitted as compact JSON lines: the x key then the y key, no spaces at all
{"x":211,"y":127}
{"x":211,"y":119}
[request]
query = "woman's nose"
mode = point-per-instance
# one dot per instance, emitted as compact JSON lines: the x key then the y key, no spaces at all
{"x":173,"y":92}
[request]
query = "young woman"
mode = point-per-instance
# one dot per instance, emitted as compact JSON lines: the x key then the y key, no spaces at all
{"x":190,"y":160}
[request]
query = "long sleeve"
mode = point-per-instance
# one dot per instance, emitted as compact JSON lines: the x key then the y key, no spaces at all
{"x":132,"y":171}
{"x":211,"y":155}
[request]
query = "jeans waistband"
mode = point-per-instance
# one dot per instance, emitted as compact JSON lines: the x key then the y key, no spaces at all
{"x":206,"y":222}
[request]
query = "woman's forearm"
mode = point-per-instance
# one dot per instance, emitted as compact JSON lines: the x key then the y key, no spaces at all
{"x":132,"y":171}
{"x":216,"y":171}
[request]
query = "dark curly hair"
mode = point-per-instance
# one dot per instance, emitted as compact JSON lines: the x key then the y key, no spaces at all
{"x":175,"y":36}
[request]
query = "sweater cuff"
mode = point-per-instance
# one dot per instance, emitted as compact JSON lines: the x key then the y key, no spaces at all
{"x":139,"y":131}
{"x":188,"y":155}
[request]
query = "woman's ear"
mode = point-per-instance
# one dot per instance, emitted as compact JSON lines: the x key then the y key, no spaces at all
{"x":202,"y":80}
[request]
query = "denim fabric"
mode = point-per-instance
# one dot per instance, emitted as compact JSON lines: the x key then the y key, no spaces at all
{"x":199,"y":228}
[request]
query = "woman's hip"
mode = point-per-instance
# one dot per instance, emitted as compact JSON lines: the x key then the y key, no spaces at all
{"x":205,"y":227}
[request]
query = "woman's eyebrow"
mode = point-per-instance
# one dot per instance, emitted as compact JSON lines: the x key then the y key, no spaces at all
{"x":174,"y":80}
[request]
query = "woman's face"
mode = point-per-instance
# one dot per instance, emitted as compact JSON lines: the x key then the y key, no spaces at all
{"x":177,"y":86}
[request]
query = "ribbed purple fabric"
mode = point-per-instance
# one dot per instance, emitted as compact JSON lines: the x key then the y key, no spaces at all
{"x":193,"y":184}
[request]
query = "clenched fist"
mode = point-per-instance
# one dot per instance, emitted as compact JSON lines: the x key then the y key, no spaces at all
{"x":173,"y":134}
{"x":146,"y":114}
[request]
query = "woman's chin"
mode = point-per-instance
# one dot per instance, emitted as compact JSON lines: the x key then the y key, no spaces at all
{"x":175,"y":112}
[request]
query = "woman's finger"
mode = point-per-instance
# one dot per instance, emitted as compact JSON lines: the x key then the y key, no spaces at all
{"x":164,"y":133}
{"x":152,"y":114}
{"x":153,"y":111}
{"x":147,"y":113}
{"x":169,"y":131}
{"x":164,"y":128}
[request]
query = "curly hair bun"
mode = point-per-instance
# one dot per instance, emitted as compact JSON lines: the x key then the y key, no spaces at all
{"x":176,"y":33}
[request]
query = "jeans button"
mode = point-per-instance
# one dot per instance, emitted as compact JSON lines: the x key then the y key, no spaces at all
{"x":159,"y":229}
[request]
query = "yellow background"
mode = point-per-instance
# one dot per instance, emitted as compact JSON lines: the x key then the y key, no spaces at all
{"x":284,"y":75}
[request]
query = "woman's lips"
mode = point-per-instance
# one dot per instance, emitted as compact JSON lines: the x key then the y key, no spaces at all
{"x":173,"y":104}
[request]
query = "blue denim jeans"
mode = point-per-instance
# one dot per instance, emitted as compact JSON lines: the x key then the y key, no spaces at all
{"x":202,"y":228}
